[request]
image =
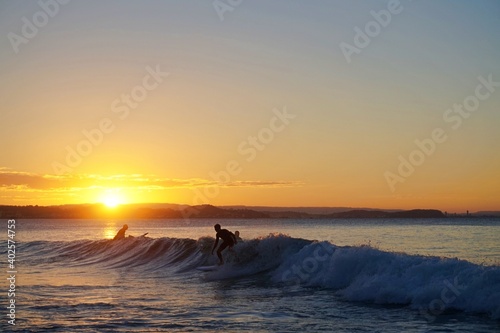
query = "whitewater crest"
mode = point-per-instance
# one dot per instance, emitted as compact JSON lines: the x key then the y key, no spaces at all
{"x":431,"y":285}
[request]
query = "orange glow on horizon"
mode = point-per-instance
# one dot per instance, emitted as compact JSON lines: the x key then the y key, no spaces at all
{"x":115,"y":190}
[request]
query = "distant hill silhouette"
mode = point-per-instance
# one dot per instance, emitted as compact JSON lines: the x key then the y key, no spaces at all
{"x":309,"y":210}
{"x":166,"y":211}
{"x":487,"y":213}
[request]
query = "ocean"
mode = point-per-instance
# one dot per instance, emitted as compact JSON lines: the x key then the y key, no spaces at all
{"x":289,"y":275}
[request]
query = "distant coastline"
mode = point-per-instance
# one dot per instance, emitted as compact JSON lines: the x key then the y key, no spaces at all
{"x":172,"y":211}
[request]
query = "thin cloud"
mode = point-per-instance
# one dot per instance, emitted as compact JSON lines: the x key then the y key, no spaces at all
{"x":18,"y":181}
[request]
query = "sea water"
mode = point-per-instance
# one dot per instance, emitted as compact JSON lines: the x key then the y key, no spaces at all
{"x":359,"y":275}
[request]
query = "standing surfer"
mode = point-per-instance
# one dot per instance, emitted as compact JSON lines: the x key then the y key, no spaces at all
{"x":228,"y":239}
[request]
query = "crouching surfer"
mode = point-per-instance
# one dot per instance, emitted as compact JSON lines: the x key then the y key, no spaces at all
{"x":228,"y":239}
{"x":121,"y":233}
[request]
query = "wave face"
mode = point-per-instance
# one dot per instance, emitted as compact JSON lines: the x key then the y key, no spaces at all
{"x":432,"y":285}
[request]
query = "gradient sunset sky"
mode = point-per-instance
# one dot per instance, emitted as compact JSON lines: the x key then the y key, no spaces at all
{"x":251,"y":102}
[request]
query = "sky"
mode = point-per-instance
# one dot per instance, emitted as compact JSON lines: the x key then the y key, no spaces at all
{"x":383,"y":104}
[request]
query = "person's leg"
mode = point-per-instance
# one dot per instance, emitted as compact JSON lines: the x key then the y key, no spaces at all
{"x":220,"y":258}
{"x":219,"y":252}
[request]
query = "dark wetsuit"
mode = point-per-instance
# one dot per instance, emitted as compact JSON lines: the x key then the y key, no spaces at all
{"x":228,"y":239}
{"x":120,"y":234}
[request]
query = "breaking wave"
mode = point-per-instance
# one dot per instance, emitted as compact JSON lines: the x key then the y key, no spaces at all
{"x":358,"y":273}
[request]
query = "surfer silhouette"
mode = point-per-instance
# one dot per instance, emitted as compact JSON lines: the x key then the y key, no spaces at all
{"x":237,"y":235}
{"x":228,"y":239}
{"x":121,"y":232}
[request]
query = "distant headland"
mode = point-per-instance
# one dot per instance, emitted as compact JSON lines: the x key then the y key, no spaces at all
{"x":174,"y":211}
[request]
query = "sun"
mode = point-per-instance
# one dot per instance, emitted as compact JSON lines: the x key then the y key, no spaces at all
{"x":111,"y":198}
{"x":111,"y":201}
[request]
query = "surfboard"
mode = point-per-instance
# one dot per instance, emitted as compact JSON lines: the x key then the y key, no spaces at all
{"x":208,"y":268}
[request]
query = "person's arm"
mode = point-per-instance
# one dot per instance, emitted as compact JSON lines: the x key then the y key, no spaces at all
{"x":216,"y":242}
